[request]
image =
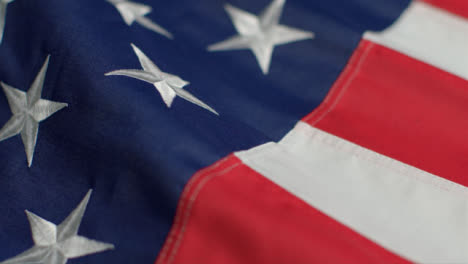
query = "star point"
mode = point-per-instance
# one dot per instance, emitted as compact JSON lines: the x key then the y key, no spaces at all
{"x":260,"y":33}
{"x":3,"y":11}
{"x":56,"y":244}
{"x":168,"y":85}
{"x":135,"y":12}
{"x":28,"y":109}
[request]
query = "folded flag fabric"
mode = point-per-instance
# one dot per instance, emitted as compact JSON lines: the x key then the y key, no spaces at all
{"x":208,"y":132}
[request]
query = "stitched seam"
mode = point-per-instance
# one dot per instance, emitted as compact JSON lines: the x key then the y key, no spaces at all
{"x":403,"y":169}
{"x":346,"y":86}
{"x":190,"y":201}
{"x":181,"y":207}
{"x":397,"y":167}
{"x":183,"y":201}
{"x":177,"y":232}
{"x":390,"y":163}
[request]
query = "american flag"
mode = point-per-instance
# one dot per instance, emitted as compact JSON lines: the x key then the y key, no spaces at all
{"x":233,"y":131}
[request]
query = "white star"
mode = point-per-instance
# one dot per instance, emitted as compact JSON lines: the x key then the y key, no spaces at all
{"x":168,"y":85}
{"x":3,"y":10}
{"x":28,"y":110}
{"x":56,"y":244}
{"x":260,"y":34}
{"x":132,"y":12}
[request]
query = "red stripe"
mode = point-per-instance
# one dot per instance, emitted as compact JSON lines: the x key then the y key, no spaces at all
{"x":401,"y":108}
{"x":384,"y":101}
{"x":459,"y":7}
{"x":231,"y":214}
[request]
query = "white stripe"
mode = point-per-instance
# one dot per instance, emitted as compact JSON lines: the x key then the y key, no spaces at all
{"x":431,"y":35}
{"x":415,"y":214}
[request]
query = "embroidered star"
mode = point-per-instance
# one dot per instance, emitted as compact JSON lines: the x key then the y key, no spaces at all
{"x":3,"y":10}
{"x":260,"y":33}
{"x":132,"y":12}
{"x":28,"y":110}
{"x":56,"y":244}
{"x":168,"y":85}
